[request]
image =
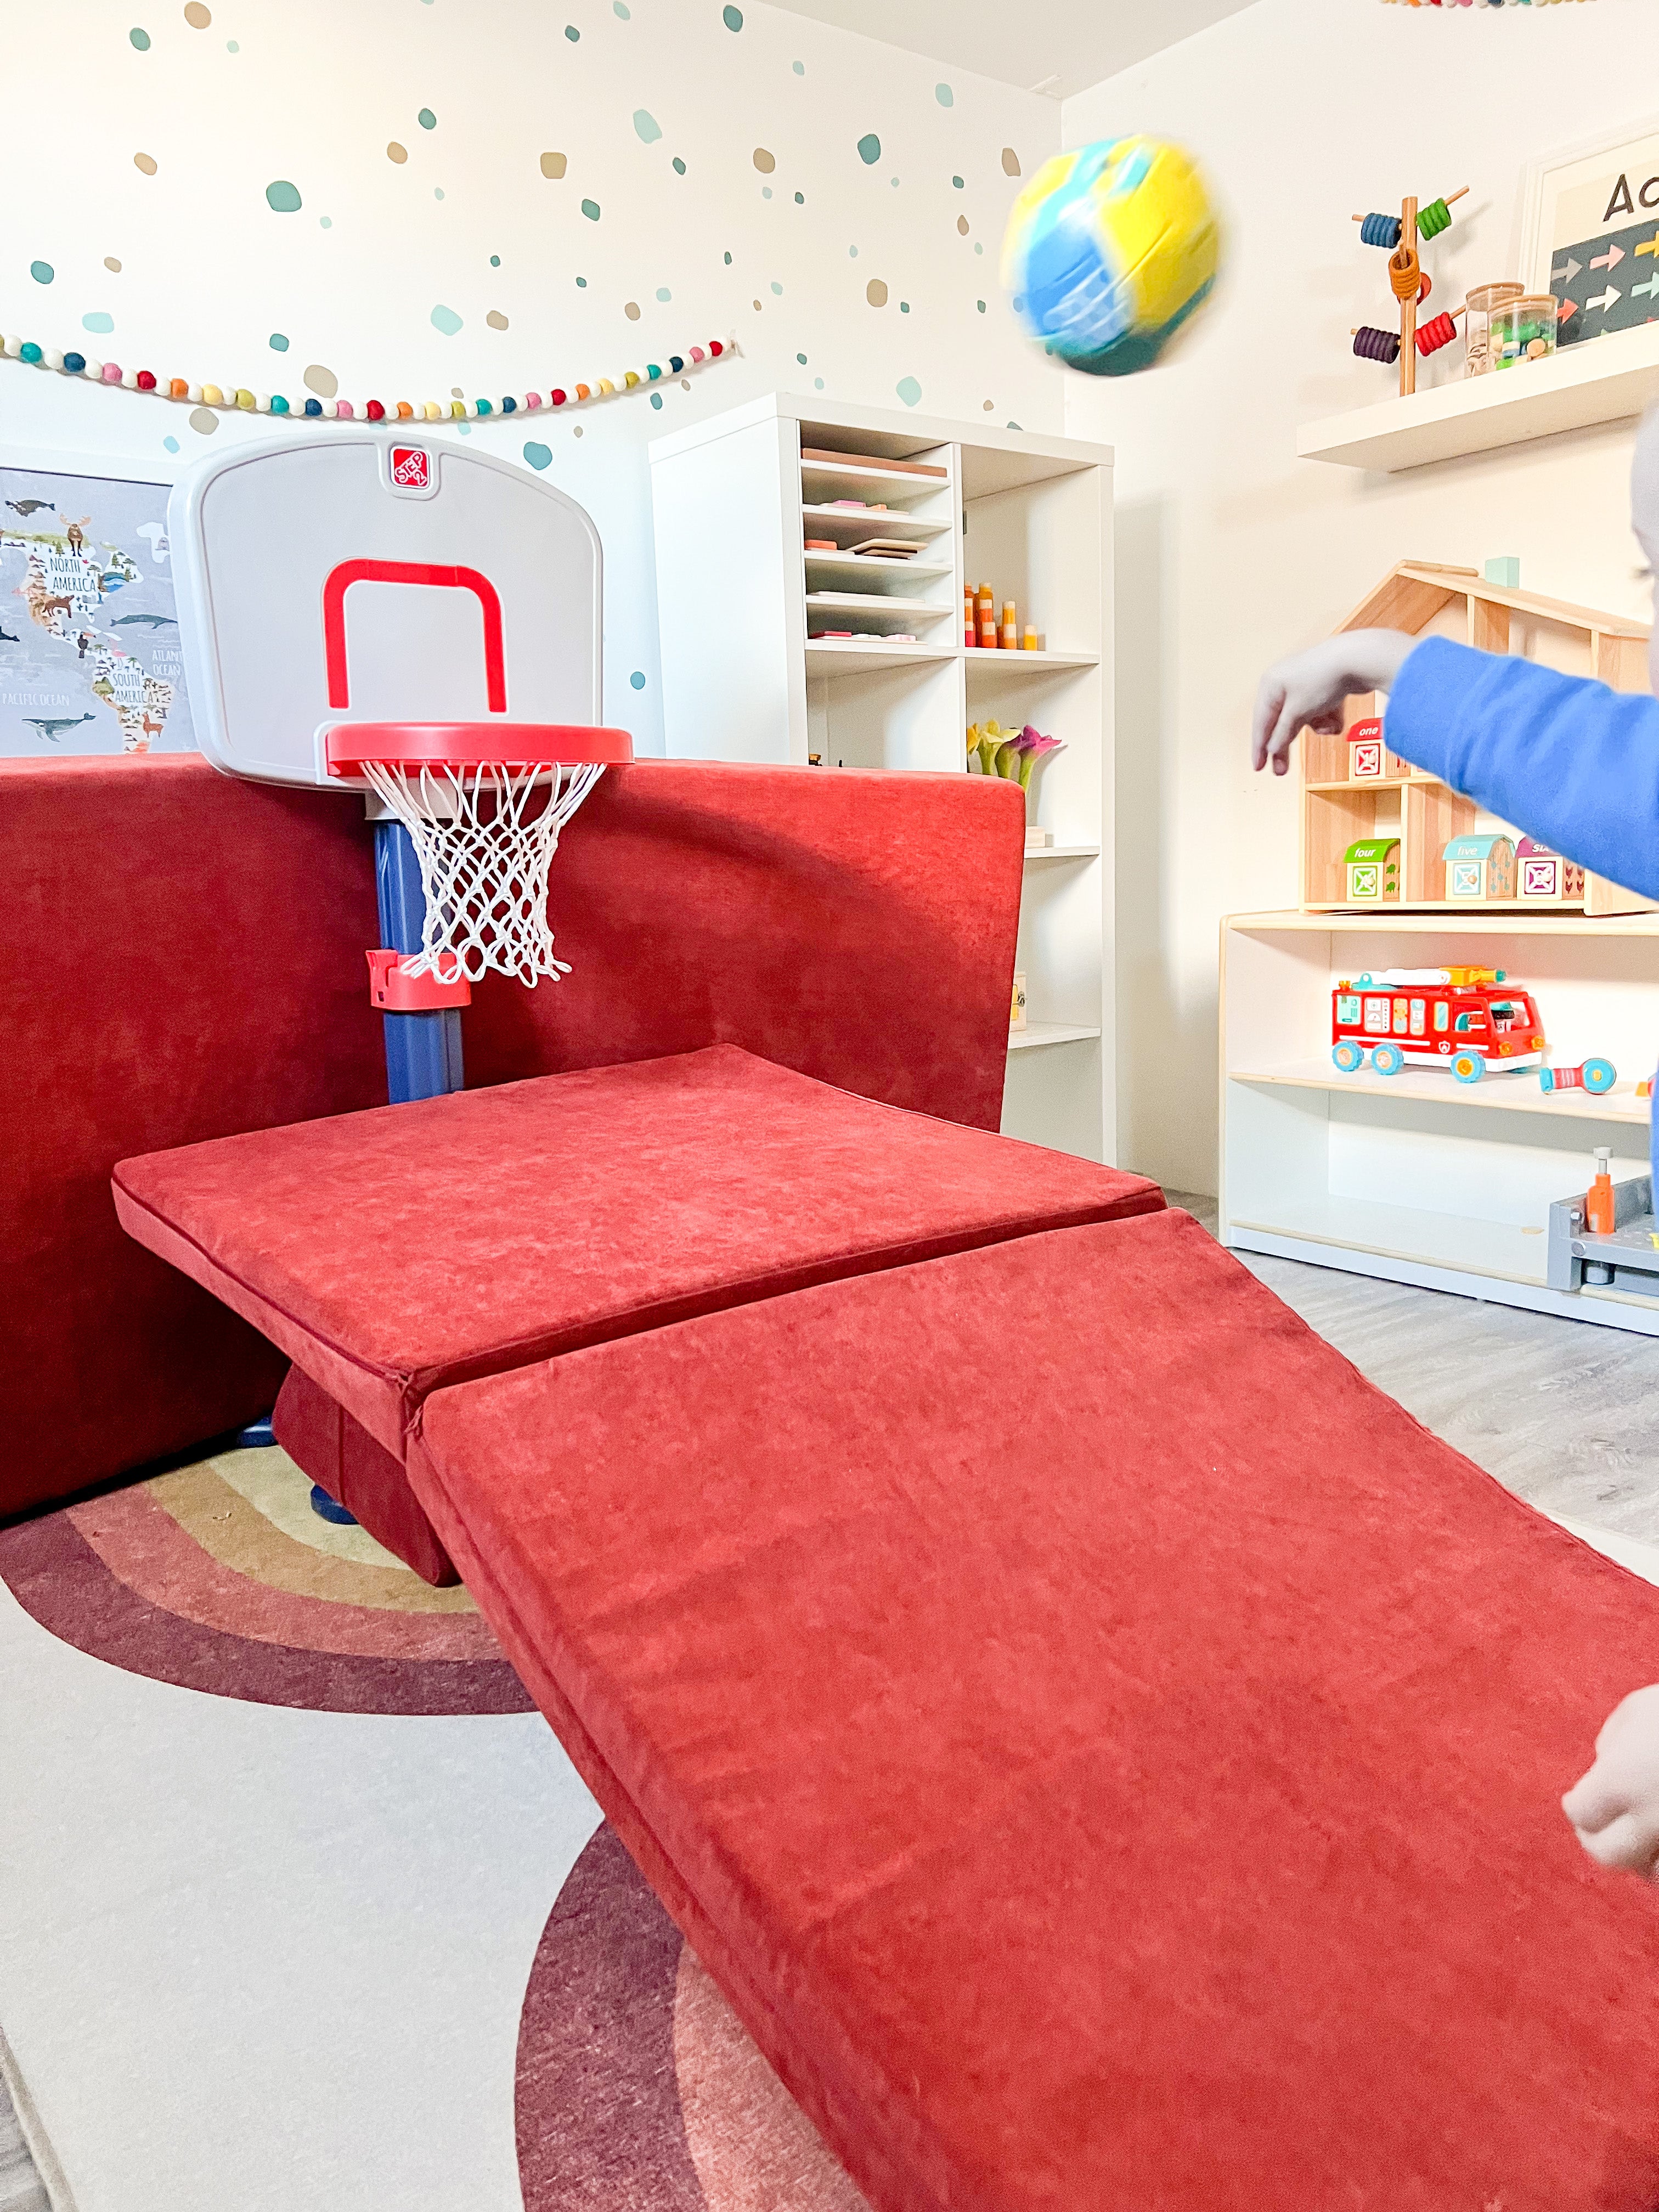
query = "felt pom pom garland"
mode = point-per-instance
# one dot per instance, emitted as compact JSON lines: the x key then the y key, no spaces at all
{"x":232,"y":398}
{"x":1470,"y":3}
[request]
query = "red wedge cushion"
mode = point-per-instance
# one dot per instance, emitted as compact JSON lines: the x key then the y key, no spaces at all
{"x":1108,"y":1751}
{"x":389,"y":1252}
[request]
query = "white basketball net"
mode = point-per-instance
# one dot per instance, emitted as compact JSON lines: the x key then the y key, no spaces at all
{"x":483,"y":865}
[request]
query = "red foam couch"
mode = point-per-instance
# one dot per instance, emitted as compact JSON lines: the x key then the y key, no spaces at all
{"x":186,"y":964}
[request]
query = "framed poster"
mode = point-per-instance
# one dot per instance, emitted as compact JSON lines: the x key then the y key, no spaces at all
{"x":89,"y":656}
{"x":1590,"y":231}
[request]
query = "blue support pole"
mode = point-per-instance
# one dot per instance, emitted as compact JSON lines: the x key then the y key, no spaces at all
{"x":422,"y":1051}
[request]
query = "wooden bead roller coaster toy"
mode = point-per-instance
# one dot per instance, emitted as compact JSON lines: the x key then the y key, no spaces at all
{"x":1400,"y":234}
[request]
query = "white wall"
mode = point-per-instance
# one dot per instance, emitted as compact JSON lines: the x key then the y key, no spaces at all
{"x":315,"y":92}
{"x":1232,"y":551}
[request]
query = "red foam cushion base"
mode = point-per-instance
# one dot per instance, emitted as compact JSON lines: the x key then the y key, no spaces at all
{"x":1109,"y":1753}
{"x":391,"y":1252}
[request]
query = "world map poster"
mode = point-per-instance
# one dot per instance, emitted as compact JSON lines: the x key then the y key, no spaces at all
{"x":89,"y":657}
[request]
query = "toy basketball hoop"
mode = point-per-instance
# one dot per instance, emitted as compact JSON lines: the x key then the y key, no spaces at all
{"x":483,"y":804}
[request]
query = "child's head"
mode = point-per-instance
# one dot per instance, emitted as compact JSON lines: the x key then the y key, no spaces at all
{"x":1644,"y":514}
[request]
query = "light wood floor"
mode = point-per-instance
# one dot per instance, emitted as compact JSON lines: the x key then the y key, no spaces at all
{"x":1564,"y":1413}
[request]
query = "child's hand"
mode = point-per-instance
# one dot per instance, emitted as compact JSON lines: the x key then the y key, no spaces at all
{"x":1307,"y":691}
{"x":1614,"y":1810}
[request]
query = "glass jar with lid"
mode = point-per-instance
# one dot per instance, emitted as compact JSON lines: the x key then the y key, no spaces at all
{"x":1483,"y":302}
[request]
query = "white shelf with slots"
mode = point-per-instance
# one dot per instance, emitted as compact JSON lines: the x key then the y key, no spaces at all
{"x":1416,"y":1177}
{"x":746,"y":678}
{"x":1605,"y":380}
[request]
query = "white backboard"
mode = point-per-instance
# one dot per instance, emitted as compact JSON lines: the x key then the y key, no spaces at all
{"x":375,"y":576}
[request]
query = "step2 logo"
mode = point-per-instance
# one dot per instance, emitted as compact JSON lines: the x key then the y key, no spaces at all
{"x":411,"y":468}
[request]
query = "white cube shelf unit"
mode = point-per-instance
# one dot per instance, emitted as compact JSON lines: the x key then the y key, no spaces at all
{"x":1416,"y":1177}
{"x":749,"y":676}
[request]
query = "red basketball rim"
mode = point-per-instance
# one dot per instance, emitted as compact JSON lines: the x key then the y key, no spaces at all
{"x":473,"y":744}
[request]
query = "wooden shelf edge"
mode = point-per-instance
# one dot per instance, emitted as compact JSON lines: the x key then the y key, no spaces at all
{"x":1038,"y":1034}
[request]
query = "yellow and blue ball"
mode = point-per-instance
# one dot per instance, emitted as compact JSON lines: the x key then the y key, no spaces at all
{"x":1110,"y":250}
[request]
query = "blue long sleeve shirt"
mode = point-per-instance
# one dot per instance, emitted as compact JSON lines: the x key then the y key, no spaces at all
{"x":1568,"y":761}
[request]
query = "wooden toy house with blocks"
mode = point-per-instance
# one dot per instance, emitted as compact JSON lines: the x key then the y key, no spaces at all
{"x":1357,"y":794}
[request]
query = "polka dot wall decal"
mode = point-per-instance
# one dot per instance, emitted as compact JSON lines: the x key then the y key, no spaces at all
{"x":145,"y":164}
{"x":766,"y":191}
{"x":799,"y":68}
{"x":169,"y":445}
{"x":851,"y":252}
{"x":323,"y":382}
{"x":198,"y":16}
{"x":42,"y":271}
{"x":438,"y":192}
{"x":1010,"y":162}
{"x":800,"y":199}
{"x":956,"y":181}
{"x":962,"y":224}
{"x":281,"y":197}
{"x":763,"y":162}
{"x":111,"y":264}
{"x":536,"y":454}
{"x":632,"y":311}
{"x":231,"y":46}
{"x":140,"y":39}
{"x":945,"y":97}
{"x":553,"y":165}
{"x":777,"y":290}
{"x":979,"y":304}
{"x":496,"y":320}
{"x":427,"y":119}
{"x":818,"y":384}
{"x":801,"y":358}
{"x":495,"y":260}
{"x":755,"y":305}
{"x":447,"y":320}
{"x":572,"y":33}
{"x":656,"y":400}
{"x":100,"y":324}
{"x":203,"y":420}
{"x":455,"y":392}
{"x":590,"y":210}
{"x":637,"y":679}
{"x":278,"y":343}
{"x":904,"y":307}
{"x":394,"y":152}
{"x":909,"y":390}
{"x":869,"y":149}
{"x":646,"y":126}
{"x":876,"y":293}
{"x":732,"y":18}
{"x":679,"y":167}
{"x":978,"y":247}
{"x":990,"y":406}
{"x":729,"y":261}
{"x":327,"y":221}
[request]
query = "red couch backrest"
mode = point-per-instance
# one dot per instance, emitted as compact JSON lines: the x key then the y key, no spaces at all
{"x":185,"y":959}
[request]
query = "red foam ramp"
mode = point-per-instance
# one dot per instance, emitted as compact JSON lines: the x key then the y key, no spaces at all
{"x":1109,"y":1753}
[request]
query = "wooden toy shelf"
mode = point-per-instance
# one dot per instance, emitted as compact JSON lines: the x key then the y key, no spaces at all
{"x":748,"y":675}
{"x":1423,"y":813}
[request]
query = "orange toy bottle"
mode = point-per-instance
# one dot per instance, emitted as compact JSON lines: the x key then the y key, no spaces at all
{"x":967,"y":614}
{"x":1600,"y":1205}
{"x":988,"y":616}
{"x":1009,"y":628}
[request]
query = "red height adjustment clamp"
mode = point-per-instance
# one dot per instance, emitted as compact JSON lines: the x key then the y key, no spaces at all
{"x":395,"y":992}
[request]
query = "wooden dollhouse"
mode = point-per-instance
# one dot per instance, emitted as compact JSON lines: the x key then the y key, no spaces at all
{"x":1355,"y":792}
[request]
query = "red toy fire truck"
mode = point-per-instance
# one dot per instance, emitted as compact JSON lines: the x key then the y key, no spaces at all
{"x":1469,"y":1019}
